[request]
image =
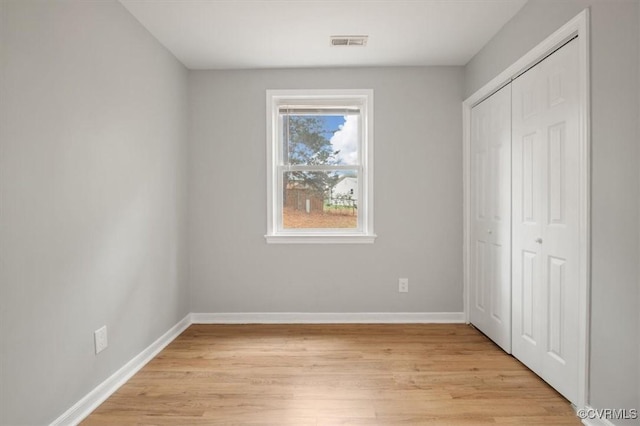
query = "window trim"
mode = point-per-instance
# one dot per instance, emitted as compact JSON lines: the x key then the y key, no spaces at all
{"x":364,"y":99}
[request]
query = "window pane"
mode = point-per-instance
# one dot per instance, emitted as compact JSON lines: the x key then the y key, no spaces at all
{"x":322,"y":199}
{"x":320,"y":139}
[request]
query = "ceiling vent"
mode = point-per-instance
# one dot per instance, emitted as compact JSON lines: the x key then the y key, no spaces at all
{"x":349,"y":40}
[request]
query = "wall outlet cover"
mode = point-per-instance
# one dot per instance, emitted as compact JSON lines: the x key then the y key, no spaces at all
{"x":100,"y":339}
{"x":403,"y":285}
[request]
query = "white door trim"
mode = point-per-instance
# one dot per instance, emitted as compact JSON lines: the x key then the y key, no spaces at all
{"x":578,"y":26}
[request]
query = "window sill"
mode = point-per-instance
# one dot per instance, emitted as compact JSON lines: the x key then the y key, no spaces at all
{"x":321,"y":239}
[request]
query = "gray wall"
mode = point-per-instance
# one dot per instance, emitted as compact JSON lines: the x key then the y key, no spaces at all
{"x":93,"y":132}
{"x":418,"y":198}
{"x":615,"y":189}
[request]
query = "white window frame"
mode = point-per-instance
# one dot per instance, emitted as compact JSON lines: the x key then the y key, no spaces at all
{"x":363,"y":99}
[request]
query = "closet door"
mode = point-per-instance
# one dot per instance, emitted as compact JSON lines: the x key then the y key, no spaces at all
{"x":490,"y":278}
{"x":545,"y":219}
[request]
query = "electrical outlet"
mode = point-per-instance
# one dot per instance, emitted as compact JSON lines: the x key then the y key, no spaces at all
{"x":403,"y":285}
{"x":100,"y":338}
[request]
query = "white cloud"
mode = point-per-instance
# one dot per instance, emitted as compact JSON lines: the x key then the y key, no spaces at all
{"x":346,"y":140}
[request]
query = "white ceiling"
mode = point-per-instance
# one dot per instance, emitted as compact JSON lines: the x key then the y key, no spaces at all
{"x":233,"y":34}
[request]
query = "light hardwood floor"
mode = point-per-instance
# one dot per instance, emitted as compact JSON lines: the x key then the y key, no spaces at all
{"x":429,"y":374}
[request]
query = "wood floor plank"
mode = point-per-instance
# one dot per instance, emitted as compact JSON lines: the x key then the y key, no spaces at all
{"x":322,"y":375}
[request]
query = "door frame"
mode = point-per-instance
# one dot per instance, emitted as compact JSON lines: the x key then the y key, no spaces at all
{"x":578,"y":26}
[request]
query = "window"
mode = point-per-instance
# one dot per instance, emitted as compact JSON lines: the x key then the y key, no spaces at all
{"x":320,"y":166}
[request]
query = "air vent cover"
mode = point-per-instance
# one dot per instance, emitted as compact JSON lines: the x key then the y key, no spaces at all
{"x":360,"y":40}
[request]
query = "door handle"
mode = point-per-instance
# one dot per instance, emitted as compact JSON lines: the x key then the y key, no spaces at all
{"x":489,"y":231}
{"x":538,"y":240}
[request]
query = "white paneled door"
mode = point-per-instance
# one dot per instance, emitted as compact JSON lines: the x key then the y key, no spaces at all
{"x":490,"y":251}
{"x":545,"y":219}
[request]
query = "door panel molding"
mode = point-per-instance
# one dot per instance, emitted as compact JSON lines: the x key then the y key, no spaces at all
{"x":554,"y":279}
{"x":490,"y":287}
{"x":577,"y":27}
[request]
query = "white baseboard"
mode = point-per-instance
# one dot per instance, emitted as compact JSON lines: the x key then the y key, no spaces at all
{"x":596,"y":421}
{"x":327,"y":318}
{"x":104,"y":390}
